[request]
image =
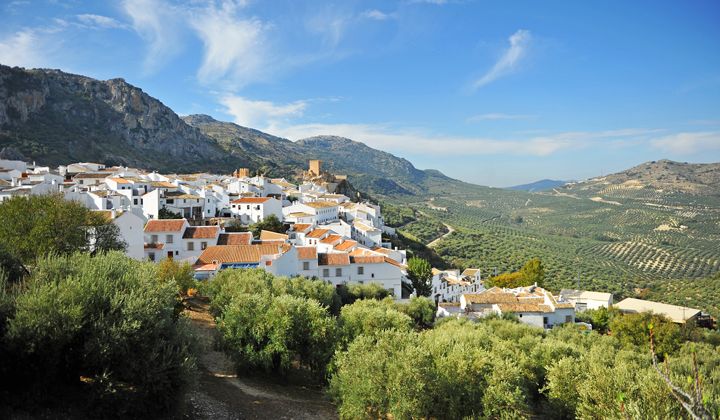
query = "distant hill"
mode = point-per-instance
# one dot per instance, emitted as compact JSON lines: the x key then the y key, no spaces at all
{"x":55,"y":117}
{"x":662,"y":178}
{"x":542,"y":185}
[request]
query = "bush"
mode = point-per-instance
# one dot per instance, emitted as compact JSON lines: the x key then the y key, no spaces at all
{"x":105,"y":320}
{"x":262,"y":331}
{"x":422,"y":311}
{"x":349,"y":294}
{"x":369,"y":317}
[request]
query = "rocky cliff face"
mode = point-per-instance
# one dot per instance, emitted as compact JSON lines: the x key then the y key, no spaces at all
{"x":57,"y":117}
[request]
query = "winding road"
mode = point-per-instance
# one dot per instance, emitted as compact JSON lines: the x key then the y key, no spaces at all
{"x":437,"y":240}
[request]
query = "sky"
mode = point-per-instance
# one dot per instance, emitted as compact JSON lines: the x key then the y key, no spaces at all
{"x":496,"y":93}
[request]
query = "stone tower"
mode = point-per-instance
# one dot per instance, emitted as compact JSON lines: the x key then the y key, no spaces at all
{"x":314,"y":167}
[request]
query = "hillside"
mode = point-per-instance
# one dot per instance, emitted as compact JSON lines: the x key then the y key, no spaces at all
{"x":55,"y":117}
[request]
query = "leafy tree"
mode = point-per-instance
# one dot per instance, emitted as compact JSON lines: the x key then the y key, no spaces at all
{"x":266,"y":332}
{"x":271,"y":223}
{"x":168,"y":214}
{"x":422,"y":311}
{"x":39,"y":225}
{"x":533,"y":272}
{"x":599,"y":318}
{"x":509,"y":280}
{"x":234,"y":225}
{"x":634,"y":329}
{"x":370,"y":317}
{"x":182,"y":274}
{"x":420,"y":274}
{"x":105,"y":319}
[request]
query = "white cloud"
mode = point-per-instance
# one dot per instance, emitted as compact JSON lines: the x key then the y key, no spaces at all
{"x":102,"y":22}
{"x":689,"y":143}
{"x":495,"y":116}
{"x":235,"y":48}
{"x":519,"y":43}
{"x":157,"y":23}
{"x":375,"y":14}
{"x":21,"y":49}
{"x":251,"y":113}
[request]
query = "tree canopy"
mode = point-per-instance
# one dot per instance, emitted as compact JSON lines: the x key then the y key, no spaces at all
{"x":420,"y":274}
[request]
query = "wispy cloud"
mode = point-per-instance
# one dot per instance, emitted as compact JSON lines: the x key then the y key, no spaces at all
{"x":158,"y":24}
{"x":496,"y":116}
{"x":519,"y":43}
{"x":689,"y":143}
{"x":263,"y":114}
{"x":235,"y":47}
{"x":376,"y":14}
{"x":32,"y":47}
{"x":100,"y":22}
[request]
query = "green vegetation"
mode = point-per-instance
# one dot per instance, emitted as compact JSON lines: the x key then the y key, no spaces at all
{"x":420,"y":274}
{"x":100,"y":333}
{"x":270,"y":223}
{"x":38,"y":225}
{"x":531,"y":273}
{"x":387,"y":359}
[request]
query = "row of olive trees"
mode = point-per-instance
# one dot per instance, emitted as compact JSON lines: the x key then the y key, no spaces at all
{"x":274,"y":324}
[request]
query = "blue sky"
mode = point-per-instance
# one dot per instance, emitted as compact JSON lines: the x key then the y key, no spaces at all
{"x":496,"y":93}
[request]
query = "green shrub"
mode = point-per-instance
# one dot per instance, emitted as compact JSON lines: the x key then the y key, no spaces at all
{"x":370,"y":317}
{"x":422,"y":311}
{"x":103,"y":324}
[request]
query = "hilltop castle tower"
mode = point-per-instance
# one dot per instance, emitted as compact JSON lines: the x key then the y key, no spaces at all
{"x":242,"y":173}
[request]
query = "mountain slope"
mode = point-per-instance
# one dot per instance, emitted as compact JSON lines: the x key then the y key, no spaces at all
{"x":55,"y":118}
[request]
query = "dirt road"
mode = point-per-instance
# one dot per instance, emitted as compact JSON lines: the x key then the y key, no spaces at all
{"x":221,"y":394}
{"x":437,"y":240}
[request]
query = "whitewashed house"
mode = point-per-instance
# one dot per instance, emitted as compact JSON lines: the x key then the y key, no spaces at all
{"x":255,"y":209}
{"x":163,"y":238}
{"x":585,"y":300}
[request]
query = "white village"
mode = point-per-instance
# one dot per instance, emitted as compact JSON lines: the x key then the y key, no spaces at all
{"x":202,"y":219}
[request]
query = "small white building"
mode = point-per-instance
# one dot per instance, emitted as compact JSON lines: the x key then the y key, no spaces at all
{"x":163,"y":238}
{"x":585,"y":300}
{"x":255,"y":209}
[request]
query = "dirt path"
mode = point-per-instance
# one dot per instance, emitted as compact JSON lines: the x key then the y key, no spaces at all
{"x":221,"y":394}
{"x":437,"y":240}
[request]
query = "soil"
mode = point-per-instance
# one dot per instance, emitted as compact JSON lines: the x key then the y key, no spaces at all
{"x":222,"y":394}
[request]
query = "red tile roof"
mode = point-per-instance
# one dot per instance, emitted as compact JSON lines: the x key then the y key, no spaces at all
{"x":201,"y":232}
{"x":165,"y":225}
{"x":341,"y":258}
{"x":331,"y":238}
{"x":251,"y":200}
{"x":317,"y":233}
{"x":301,"y":227}
{"x":235,"y":238}
{"x":239,"y":253}
{"x":307,"y":253}
{"x":345,"y":245}
{"x":369,"y":259}
{"x":266,"y":235}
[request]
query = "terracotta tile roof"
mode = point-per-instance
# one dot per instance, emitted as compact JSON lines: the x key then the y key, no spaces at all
{"x":235,"y":238}
{"x":162,"y":184}
{"x":205,"y":267}
{"x":386,"y":251}
{"x":266,"y":235}
{"x":490,"y":298}
{"x":330,"y":239}
{"x":470,"y":271}
{"x":91,"y":175}
{"x":395,"y":263}
{"x":307,"y":252}
{"x":367,"y":259}
{"x":120,"y":180}
{"x":201,"y":232}
{"x":340,"y":258}
{"x":317,"y":233}
{"x":238,"y":253}
{"x":165,"y":225}
{"x":251,"y":200}
{"x":524,"y":307}
{"x":345,"y":245}
{"x":321,"y":204}
{"x":301,"y":227}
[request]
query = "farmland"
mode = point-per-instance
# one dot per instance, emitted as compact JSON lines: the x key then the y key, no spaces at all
{"x":617,"y":233}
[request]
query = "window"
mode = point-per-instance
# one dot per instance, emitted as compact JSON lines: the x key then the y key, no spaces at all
{"x":153,"y":239}
{"x":135,"y":201}
{"x":170,"y":201}
{"x":306,"y":265}
{"x":326,"y":272}
{"x":338,"y":272}
{"x":191,"y":246}
{"x":545,"y":320}
{"x":203,"y":245}
{"x":177,"y":252}
{"x":248,"y":206}
{"x":151,"y":256}
{"x":168,"y":239}
{"x":361,"y":270}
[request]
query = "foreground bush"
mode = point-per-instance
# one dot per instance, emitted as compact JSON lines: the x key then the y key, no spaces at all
{"x":370,"y":317}
{"x":103,"y":325}
{"x":261,"y":331}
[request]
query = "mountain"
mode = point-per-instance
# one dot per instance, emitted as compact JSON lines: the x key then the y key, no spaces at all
{"x":542,"y":185}
{"x":55,"y":118}
{"x":654,"y":180}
